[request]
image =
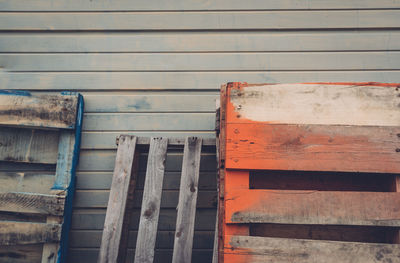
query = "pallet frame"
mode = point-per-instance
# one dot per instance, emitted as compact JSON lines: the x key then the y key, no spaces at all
{"x":248,"y":139}
{"x":38,"y":130}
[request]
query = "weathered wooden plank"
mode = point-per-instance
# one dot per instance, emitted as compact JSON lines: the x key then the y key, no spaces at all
{"x":22,"y":233}
{"x":253,"y":61}
{"x":312,"y":207}
{"x":313,"y":147}
{"x":113,"y":224}
{"x":93,"y":219}
{"x":46,"y":111}
{"x":99,"y":198}
{"x":175,"y":5}
{"x":227,"y":20}
{"x":263,"y":249}
{"x":32,"y":203}
{"x":340,"y":104}
{"x":181,"y":80}
{"x":28,"y":145}
{"x":65,"y":155}
{"x":148,"y":121}
{"x":21,"y":254}
{"x":201,"y":42}
{"x":146,"y":240}
{"x":103,"y":160}
{"x":184,"y":232}
{"x":33,"y":182}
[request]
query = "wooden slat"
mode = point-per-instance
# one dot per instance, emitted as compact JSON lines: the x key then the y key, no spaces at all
{"x":28,"y":182}
{"x":22,"y":233}
{"x":113,"y":224}
{"x":32,"y":203}
{"x":183,"y":241}
{"x":65,"y":155}
{"x":312,"y":207}
{"x":181,"y":80}
{"x":21,"y":254}
{"x":341,"y":104}
{"x":28,"y":145}
{"x":146,"y":240}
{"x":313,"y":147}
{"x":200,"y":20}
{"x":262,"y":249}
{"x":253,"y":61}
{"x":396,"y":188}
{"x":146,"y":5}
{"x":148,"y":121}
{"x":201,"y":42}
{"x":46,"y":111}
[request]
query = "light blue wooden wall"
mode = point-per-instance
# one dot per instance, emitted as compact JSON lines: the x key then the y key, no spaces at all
{"x":155,"y":67}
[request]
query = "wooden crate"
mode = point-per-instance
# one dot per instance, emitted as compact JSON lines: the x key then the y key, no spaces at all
{"x":39,"y":150}
{"x":309,"y":173}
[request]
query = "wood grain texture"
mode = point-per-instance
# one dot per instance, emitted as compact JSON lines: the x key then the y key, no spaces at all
{"x":22,"y":233}
{"x":250,"y":61}
{"x":184,"y":232}
{"x":65,"y":155}
{"x":312,"y":207}
{"x":143,"y":5}
{"x":354,"y":19}
{"x":28,"y":145}
{"x":356,"y":104}
{"x":46,"y":111}
{"x":313,"y":147}
{"x":243,"y":41}
{"x":28,"y":182}
{"x":113,"y":224}
{"x":145,"y":244}
{"x":32,"y":203}
{"x":240,"y":249}
{"x":21,"y":253}
{"x":178,"y":81}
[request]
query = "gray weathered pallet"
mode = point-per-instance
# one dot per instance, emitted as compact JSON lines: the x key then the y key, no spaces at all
{"x":152,"y":199}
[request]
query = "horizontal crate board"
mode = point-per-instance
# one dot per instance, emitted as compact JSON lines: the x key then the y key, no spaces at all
{"x":200,"y":20}
{"x":257,"y":61}
{"x":201,"y":42}
{"x":313,"y":147}
{"x":261,"y":249}
{"x":312,"y":207}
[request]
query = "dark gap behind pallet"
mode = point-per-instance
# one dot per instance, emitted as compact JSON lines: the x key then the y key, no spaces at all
{"x":323,"y":181}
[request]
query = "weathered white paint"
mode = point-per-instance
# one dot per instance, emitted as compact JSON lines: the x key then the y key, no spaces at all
{"x":319,"y":104}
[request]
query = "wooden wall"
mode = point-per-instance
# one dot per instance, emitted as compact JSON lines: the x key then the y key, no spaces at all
{"x":150,"y":67}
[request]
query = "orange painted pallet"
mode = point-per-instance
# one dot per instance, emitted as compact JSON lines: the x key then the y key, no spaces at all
{"x":309,"y":172}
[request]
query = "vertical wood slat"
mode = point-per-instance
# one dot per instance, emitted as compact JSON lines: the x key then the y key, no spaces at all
{"x":187,"y":201}
{"x":113,"y":225}
{"x":150,"y":210}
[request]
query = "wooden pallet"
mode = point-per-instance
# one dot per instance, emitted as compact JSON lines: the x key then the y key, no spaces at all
{"x":309,"y":173}
{"x":114,"y":239}
{"x":39,"y":150}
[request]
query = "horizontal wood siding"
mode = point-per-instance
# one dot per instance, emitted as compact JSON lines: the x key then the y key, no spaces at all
{"x":152,"y":68}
